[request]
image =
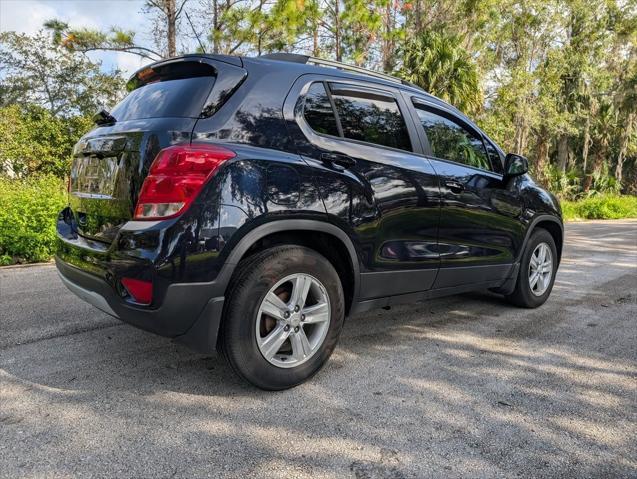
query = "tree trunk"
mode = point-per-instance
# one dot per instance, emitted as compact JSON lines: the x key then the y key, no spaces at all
{"x":215,"y":27}
{"x":542,"y":155}
{"x":387,"y":50}
{"x":562,"y":152}
{"x":520,"y":135}
{"x":597,"y":166}
{"x":418,"y":22}
{"x":171,"y":24}
{"x":337,"y":30}
{"x":315,"y":40}
{"x":623,"y":146}
{"x":601,"y":155}
{"x":587,"y":143}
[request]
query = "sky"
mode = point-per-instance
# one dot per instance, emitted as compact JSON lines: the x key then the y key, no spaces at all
{"x":27,"y":16}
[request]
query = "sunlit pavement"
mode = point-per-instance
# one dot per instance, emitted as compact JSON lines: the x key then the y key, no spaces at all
{"x":463,"y":386}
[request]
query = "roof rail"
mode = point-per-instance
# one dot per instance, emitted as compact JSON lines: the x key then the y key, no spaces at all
{"x":296,"y":58}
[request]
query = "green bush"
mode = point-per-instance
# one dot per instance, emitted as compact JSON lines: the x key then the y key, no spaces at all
{"x":28,"y":212}
{"x":600,"y":208}
{"x":35,"y":142}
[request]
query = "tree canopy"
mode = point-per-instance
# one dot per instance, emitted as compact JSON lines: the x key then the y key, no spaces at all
{"x":555,"y":80}
{"x":47,"y":97}
{"x":36,"y":71}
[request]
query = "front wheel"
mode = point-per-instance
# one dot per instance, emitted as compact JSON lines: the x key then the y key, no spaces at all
{"x":537,"y":271}
{"x":284,"y":315}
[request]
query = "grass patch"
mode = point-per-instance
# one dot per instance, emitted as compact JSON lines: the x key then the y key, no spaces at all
{"x":608,"y":207}
{"x":28,"y":213}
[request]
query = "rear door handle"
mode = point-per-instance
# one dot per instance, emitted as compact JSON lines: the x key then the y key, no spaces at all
{"x":338,"y":159}
{"x":454,"y":186}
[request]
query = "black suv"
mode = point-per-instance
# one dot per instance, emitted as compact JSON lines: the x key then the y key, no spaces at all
{"x":250,"y":204}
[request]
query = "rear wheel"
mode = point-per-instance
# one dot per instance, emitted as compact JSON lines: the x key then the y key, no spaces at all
{"x":537,"y":271}
{"x":284,"y":315}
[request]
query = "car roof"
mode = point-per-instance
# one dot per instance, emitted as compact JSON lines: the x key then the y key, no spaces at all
{"x":333,"y":69}
{"x":297,"y":64}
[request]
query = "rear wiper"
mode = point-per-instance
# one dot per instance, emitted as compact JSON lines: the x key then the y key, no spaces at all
{"x":103,"y":117}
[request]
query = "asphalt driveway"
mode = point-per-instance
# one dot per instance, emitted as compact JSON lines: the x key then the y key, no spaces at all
{"x":462,"y":386}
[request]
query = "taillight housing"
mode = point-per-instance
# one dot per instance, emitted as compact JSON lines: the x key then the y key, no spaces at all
{"x":176,"y":177}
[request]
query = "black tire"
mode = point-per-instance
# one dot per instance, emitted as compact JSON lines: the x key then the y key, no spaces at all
{"x":522,"y":295}
{"x":252,"y":281}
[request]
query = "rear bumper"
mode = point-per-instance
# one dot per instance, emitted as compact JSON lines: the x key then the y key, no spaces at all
{"x":189,"y":313}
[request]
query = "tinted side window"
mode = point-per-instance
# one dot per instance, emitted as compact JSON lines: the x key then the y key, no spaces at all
{"x":494,"y":156}
{"x":318,"y":111}
{"x":451,"y":141}
{"x":368,"y":117}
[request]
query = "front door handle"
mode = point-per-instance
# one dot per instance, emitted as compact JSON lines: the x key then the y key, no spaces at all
{"x":454,"y":186}
{"x":338,"y":159}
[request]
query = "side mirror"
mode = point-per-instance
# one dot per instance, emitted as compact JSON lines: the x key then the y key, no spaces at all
{"x":103,"y":117}
{"x":515,"y":165}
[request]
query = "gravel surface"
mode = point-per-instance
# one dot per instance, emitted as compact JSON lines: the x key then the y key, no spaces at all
{"x":465,"y":386}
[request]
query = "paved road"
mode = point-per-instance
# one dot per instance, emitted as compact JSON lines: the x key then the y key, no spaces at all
{"x":464,"y":386}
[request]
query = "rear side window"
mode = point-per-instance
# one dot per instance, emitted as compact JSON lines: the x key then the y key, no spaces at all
{"x":167,"y":92}
{"x":359,"y":115}
{"x":451,"y":141}
{"x":318,"y":111}
{"x":369,"y":117}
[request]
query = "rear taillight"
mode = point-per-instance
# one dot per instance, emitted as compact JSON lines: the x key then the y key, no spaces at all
{"x":176,"y":177}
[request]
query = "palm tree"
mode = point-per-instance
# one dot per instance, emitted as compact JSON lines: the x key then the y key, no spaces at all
{"x":438,"y":63}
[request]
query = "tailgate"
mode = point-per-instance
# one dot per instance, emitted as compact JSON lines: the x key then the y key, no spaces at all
{"x":110,"y":163}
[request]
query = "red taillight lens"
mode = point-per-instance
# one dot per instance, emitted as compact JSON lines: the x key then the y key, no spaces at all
{"x":141,"y":291}
{"x":176,"y":177}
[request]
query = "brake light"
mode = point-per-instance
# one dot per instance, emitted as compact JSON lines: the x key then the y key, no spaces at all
{"x":140,"y":291}
{"x":176,"y":177}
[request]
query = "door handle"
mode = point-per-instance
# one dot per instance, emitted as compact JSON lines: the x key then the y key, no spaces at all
{"x":338,"y":159}
{"x":454,"y":186}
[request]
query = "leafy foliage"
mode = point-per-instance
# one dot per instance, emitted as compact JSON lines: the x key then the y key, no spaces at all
{"x":28,"y":211}
{"x":437,"y":62}
{"x":84,"y":40}
{"x":34,"y":71}
{"x":36,"y":142}
{"x":601,"y":207}
{"x":555,"y":81}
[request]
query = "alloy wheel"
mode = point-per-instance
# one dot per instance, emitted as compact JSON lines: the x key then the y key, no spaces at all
{"x":540,"y":269}
{"x":293,"y":320}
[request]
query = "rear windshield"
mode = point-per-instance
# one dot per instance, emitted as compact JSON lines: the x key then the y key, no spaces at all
{"x":171,"y":92}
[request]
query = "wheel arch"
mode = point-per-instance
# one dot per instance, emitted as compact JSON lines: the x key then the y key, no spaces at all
{"x":325,"y":238}
{"x":551,"y":224}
